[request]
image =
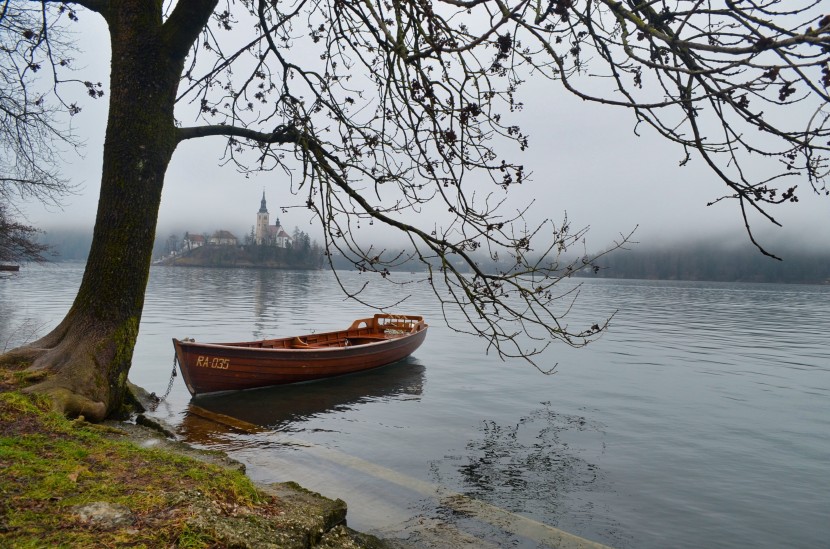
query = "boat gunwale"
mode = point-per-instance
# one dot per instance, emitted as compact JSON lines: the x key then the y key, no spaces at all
{"x":311,"y":348}
{"x":417,"y":325}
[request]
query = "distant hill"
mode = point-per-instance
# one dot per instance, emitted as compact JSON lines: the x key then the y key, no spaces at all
{"x":710,"y":263}
{"x":73,"y":243}
{"x":67,"y":244}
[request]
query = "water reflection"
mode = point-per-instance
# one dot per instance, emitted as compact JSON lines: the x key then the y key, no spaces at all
{"x":544,"y":466}
{"x":276,"y":293}
{"x":281,"y":408}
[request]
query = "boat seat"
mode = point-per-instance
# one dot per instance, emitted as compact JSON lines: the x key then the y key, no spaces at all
{"x":332,"y":343}
{"x":298,"y":343}
{"x":363,"y":340}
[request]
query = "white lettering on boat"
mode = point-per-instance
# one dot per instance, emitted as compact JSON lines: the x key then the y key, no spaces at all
{"x":218,"y":363}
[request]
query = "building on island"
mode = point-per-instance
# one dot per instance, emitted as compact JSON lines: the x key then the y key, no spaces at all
{"x":193,"y":241}
{"x":223,"y":238}
{"x":266,"y":234}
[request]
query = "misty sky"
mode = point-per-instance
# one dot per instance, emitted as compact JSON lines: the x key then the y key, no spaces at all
{"x":585,"y":160}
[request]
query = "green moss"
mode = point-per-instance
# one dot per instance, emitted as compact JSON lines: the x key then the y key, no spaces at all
{"x":27,"y":377}
{"x":50,"y":465}
{"x":14,"y":405}
{"x":17,"y":377}
{"x":124,"y":339}
{"x":52,"y":468}
{"x":11,"y":361}
{"x":192,"y":539}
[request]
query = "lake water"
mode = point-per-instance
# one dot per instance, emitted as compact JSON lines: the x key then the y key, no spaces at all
{"x":700,"y":419}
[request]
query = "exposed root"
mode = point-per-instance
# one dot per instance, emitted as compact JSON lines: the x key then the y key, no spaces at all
{"x":70,"y":404}
{"x":20,"y":358}
{"x":69,"y":372}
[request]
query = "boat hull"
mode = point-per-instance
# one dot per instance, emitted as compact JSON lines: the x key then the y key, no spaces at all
{"x":211,"y":368}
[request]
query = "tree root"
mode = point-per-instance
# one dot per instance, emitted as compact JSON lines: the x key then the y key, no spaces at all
{"x":70,"y":404}
{"x":68,"y":373}
{"x":20,"y":358}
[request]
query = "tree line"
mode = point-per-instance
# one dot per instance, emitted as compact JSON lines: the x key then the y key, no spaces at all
{"x":678,"y":262}
{"x":717,"y":265}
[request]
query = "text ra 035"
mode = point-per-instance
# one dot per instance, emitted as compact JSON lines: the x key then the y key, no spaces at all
{"x":208,"y":362}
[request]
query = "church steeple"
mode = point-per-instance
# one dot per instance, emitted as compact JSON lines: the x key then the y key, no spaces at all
{"x":261,"y":234}
{"x":262,"y":208}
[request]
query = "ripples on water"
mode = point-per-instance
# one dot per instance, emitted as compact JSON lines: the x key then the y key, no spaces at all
{"x":700,"y":419}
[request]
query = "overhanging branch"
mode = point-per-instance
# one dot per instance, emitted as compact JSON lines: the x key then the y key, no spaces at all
{"x":281,"y":135}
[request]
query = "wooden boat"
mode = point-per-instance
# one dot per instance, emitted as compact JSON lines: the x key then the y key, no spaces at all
{"x":368,"y":343}
{"x":12,"y":268}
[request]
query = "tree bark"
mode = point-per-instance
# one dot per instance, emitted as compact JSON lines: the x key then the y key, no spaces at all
{"x":88,"y":355}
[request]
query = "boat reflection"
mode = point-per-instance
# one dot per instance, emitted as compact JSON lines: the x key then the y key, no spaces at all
{"x":211,"y":418}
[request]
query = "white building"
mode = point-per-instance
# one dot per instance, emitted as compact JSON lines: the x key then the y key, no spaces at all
{"x":269,"y":235}
{"x":193,"y":241}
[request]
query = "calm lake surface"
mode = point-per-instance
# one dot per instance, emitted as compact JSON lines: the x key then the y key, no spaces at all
{"x":700,"y":419}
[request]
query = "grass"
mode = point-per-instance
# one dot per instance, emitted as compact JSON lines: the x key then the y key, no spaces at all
{"x":51,"y":466}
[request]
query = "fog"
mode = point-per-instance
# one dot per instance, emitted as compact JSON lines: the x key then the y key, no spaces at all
{"x":585,"y":162}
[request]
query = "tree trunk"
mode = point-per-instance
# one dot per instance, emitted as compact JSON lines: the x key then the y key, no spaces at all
{"x":87,"y":357}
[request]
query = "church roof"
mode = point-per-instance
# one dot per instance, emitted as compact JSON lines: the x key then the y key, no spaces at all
{"x":277,"y":230}
{"x":262,"y":207}
{"x":224,"y":235}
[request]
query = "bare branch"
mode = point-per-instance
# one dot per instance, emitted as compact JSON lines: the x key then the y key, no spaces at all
{"x":281,"y":135}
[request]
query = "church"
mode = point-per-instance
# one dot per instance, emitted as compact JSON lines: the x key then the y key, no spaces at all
{"x":266,"y":234}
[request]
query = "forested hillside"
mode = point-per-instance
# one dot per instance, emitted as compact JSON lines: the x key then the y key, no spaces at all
{"x":677,"y":262}
{"x":711,"y":263}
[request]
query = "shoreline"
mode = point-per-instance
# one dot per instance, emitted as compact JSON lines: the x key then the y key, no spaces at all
{"x":133,"y":482}
{"x":127,"y":483}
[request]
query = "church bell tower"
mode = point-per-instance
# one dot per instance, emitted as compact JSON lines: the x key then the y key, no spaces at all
{"x":261,"y":234}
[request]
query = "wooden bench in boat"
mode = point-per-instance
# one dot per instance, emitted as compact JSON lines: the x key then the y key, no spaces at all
{"x":298,"y":343}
